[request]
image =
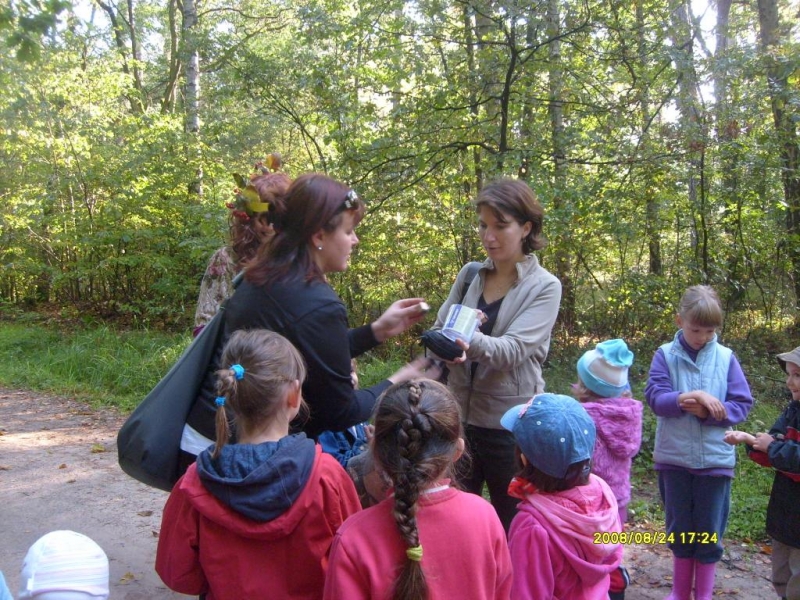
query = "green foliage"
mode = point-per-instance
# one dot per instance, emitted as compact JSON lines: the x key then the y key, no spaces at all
{"x":28,"y":22}
{"x":416,"y":106}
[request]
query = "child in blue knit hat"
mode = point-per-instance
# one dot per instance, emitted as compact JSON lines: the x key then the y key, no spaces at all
{"x":605,"y":393}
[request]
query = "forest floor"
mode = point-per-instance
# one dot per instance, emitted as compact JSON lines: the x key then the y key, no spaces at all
{"x":59,"y":470}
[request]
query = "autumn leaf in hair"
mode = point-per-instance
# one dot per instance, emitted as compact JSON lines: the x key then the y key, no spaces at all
{"x":247,"y":202}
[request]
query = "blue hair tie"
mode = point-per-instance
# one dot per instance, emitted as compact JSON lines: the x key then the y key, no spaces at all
{"x":220,"y":401}
{"x":238,"y":371}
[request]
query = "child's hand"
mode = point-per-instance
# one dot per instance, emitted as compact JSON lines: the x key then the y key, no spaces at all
{"x":369,"y":431}
{"x":693,"y":407}
{"x":715,"y":408}
{"x":762,"y":442}
{"x":739,"y":437}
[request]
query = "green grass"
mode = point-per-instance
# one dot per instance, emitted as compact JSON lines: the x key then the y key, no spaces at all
{"x":112,"y":367}
{"x":100,"y":365}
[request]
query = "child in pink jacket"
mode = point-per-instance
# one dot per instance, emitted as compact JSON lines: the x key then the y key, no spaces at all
{"x":256,"y":518}
{"x":564,"y":538}
{"x":427,"y":539}
{"x":604,"y":391}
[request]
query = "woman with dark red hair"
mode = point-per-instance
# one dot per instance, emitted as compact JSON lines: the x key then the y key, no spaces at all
{"x":286,"y":290}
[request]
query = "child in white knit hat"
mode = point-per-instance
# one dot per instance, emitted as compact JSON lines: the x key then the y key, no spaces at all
{"x":605,"y":393}
{"x":64,"y":565}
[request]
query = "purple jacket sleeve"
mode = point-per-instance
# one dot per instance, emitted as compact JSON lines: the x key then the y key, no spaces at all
{"x":738,"y":401}
{"x":658,"y":392}
{"x":664,"y":400}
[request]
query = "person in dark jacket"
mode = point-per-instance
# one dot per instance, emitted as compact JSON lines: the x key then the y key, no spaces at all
{"x":286,"y":290}
{"x":780,"y":449}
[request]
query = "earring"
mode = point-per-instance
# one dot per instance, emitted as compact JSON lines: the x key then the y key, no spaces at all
{"x":319,"y":247}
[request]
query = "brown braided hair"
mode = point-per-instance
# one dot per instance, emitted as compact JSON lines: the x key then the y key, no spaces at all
{"x":271,"y":363}
{"x":417,"y":429}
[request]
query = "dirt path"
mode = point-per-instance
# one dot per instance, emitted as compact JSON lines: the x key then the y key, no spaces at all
{"x":58,"y":470}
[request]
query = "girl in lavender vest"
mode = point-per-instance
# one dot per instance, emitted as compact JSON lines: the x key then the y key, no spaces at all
{"x":697,"y":390}
{"x":604,"y":391}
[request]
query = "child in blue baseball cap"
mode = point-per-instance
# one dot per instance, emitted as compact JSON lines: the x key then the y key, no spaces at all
{"x":564,"y":540}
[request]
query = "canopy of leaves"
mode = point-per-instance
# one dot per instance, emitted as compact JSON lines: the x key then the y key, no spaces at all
{"x":665,"y":169}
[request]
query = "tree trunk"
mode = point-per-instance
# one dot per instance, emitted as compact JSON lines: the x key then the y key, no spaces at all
{"x":563,"y":265}
{"x":727,"y":131}
{"x":191,"y":60}
{"x":472,"y":66}
{"x":119,"y":41}
{"x":173,"y":59}
{"x":785,"y":115}
{"x":652,"y":208}
{"x":135,"y":54}
{"x":692,"y":130}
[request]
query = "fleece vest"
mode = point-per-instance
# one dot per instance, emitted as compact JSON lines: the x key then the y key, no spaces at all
{"x":685,"y":441}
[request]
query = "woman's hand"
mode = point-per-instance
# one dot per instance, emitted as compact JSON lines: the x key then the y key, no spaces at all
{"x":460,"y":359}
{"x":419,"y":368}
{"x":398,"y":317}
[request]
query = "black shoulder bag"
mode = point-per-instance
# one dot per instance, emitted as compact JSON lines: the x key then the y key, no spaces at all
{"x":148,"y":444}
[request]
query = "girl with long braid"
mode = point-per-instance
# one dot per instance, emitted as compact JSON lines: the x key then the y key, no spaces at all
{"x":427,"y":540}
{"x":255,"y":518}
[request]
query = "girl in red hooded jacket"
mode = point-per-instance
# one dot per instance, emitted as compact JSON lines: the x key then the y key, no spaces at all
{"x":256,"y":517}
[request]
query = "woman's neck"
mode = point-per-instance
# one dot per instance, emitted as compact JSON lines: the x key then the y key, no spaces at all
{"x":508,"y":268}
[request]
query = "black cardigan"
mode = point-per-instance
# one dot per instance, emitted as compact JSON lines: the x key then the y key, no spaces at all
{"x":314,"y":319}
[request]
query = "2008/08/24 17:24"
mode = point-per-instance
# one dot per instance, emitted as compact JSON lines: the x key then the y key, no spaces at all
{"x":654,"y":537}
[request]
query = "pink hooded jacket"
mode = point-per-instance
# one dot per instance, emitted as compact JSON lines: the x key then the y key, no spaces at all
{"x":553,"y":544}
{"x":619,"y":436}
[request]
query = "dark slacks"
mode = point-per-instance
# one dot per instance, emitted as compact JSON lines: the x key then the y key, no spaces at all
{"x":491,"y":461}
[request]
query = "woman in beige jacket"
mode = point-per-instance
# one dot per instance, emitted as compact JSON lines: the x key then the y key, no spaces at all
{"x":502,"y":365}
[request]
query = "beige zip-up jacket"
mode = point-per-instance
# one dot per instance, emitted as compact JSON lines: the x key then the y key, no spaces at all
{"x":510,"y":360}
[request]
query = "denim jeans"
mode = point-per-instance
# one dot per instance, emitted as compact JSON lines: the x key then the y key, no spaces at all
{"x":696,"y":513}
{"x":491,"y":460}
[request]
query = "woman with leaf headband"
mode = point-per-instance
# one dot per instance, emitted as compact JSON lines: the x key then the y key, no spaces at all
{"x":251,"y":222}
